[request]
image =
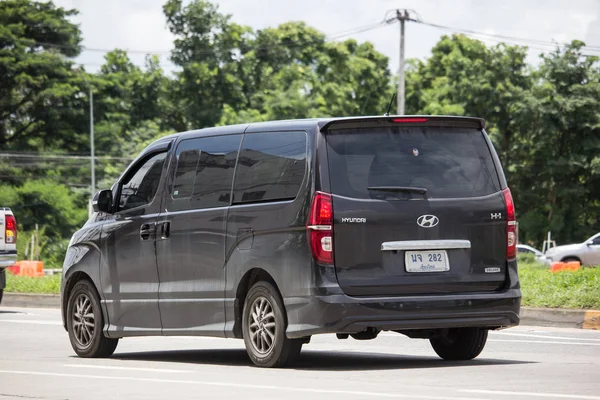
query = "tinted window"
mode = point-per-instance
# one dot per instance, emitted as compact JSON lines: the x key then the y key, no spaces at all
{"x":271,"y":167}
{"x":204,"y":172}
{"x":523,"y":250}
{"x":187,"y":156}
{"x":141,"y":184}
{"x":448,"y":162}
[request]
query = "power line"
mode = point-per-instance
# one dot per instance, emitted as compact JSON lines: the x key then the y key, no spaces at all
{"x":331,"y":37}
{"x":492,"y":36}
{"x":357,"y":30}
{"x":48,"y":153}
{"x":60,"y":157}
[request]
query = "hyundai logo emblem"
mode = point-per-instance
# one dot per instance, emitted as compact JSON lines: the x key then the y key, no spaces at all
{"x":428,"y":221}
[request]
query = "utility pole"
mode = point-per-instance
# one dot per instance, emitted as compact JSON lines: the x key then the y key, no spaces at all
{"x":92,"y":152}
{"x":402,"y":16}
{"x":92,"y":163}
{"x":402,"y":19}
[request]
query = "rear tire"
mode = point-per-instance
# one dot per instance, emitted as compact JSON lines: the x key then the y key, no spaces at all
{"x":458,"y":344}
{"x":264,"y":323}
{"x":1,"y":294}
{"x":85,"y":323}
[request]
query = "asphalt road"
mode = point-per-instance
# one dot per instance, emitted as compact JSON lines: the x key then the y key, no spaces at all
{"x":37,"y":362}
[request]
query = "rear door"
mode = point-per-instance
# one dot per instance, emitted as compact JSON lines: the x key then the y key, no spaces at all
{"x":417,"y":210}
{"x":191,"y":235}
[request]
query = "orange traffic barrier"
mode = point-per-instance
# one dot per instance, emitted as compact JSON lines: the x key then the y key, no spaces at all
{"x":565,"y":266}
{"x":28,"y":268}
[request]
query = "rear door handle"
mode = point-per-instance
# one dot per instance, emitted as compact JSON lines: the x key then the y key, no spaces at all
{"x":148,"y":231}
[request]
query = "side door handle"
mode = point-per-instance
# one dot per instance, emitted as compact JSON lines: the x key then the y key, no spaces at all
{"x":164,"y":229}
{"x":148,"y":231}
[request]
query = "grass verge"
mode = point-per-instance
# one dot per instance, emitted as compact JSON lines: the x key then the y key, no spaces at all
{"x":566,"y":289}
{"x":541,"y":288}
{"x":49,"y":284}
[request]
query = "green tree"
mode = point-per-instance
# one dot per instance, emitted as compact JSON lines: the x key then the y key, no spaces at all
{"x":465,"y":77}
{"x":232,"y":74}
{"x":558,"y":176}
{"x":207,"y":47}
{"x":42,"y":202}
{"x":128,"y":108}
{"x":38,"y":103}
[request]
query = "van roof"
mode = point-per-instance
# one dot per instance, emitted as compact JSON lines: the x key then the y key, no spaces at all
{"x":324,"y":123}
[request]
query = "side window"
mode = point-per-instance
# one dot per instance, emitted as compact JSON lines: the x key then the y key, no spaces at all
{"x":271,"y":167}
{"x":141,"y":184}
{"x":187,"y":160}
{"x":204,"y":172}
{"x":214,"y":174}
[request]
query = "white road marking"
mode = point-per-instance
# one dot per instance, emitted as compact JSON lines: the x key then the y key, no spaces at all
{"x":531,"y":394}
{"x":543,"y":342}
{"x":394,"y":334}
{"x":244,"y":386}
{"x":31,"y":321}
{"x":504,"y":333}
{"x":172,"y":371}
{"x":543,"y":336}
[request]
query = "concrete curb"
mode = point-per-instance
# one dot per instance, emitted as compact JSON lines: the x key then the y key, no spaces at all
{"x":553,"y":317}
{"x":31,"y":300}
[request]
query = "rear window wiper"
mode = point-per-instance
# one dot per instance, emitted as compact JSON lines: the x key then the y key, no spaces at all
{"x":409,"y":189}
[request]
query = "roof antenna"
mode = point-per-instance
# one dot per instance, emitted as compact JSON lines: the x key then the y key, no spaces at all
{"x":387,"y":113}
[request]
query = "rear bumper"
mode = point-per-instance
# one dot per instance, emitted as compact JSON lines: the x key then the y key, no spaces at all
{"x":8,"y":258}
{"x":344,"y":314}
{"x":332,"y":311}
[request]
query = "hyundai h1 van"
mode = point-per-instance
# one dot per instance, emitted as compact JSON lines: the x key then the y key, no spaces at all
{"x":273,"y":232}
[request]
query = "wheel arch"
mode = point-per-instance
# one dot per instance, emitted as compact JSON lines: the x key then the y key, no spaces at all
{"x":248,"y":280}
{"x":564,"y":258}
{"x":69,"y":283}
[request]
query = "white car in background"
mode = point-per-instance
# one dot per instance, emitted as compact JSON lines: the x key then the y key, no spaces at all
{"x":587,"y":253}
{"x":539,"y":256}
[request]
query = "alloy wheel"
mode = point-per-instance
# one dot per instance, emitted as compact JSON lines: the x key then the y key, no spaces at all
{"x":83,"y":320}
{"x":262,"y":325}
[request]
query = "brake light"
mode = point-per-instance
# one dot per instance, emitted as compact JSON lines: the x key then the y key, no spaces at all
{"x":409,"y":120}
{"x":511,"y":225}
{"x":320,"y":228}
{"x":10,"y":235}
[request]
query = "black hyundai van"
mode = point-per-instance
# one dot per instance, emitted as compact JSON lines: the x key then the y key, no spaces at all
{"x":273,"y":232}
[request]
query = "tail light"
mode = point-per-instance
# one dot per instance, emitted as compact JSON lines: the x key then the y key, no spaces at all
{"x":320,"y":228}
{"x":511,"y":225}
{"x":10,"y":236}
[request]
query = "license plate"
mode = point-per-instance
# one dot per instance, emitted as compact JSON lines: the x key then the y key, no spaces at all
{"x":426,"y":261}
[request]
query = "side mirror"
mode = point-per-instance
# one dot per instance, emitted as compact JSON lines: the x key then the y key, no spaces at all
{"x":102,"y":201}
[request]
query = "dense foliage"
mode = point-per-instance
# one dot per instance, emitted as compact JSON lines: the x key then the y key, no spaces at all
{"x":545,"y":121}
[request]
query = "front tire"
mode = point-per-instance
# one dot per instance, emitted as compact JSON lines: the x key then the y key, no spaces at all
{"x":85,"y":322}
{"x":458,"y":344}
{"x":264,"y":323}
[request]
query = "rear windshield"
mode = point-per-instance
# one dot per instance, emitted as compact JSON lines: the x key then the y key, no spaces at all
{"x":448,"y":162}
